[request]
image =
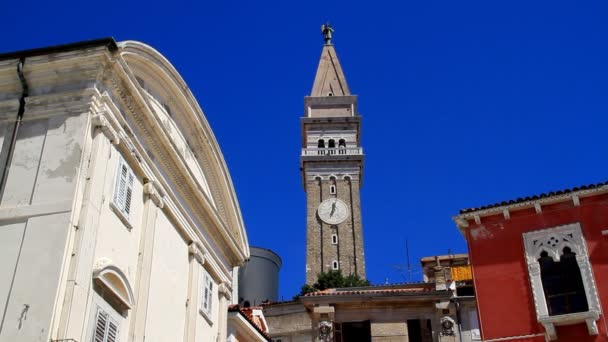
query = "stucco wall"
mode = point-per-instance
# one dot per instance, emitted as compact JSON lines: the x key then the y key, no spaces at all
{"x":168,"y":284}
{"x":35,"y":213}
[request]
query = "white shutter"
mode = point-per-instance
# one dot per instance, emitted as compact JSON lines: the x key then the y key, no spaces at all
{"x":121,"y":185}
{"x":106,"y":329}
{"x":129,"y":193}
{"x":210,"y":295}
{"x":100,"y":326}
{"x":207,"y":293}
{"x":123,"y":194}
{"x":112,"y":335}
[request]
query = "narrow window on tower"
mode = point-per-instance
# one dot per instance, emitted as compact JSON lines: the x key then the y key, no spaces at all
{"x":342,"y":146}
{"x":332,"y":189}
{"x":335,"y":265}
{"x":321,"y":146}
{"x":331,"y":144}
{"x":334,"y":239}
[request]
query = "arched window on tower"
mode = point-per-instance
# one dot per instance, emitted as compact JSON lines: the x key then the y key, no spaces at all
{"x":321,"y":146}
{"x":342,"y":146}
{"x":562,"y":284}
{"x":331,"y":144}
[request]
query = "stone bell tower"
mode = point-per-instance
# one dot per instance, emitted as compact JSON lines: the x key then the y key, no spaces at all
{"x":332,"y":170}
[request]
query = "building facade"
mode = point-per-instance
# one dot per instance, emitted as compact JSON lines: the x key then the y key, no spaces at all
{"x":539,"y":265}
{"x":332,"y":170}
{"x":118,"y":218}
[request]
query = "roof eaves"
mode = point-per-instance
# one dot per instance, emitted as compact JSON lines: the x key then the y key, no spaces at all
{"x":528,"y":201}
{"x":108,"y":42}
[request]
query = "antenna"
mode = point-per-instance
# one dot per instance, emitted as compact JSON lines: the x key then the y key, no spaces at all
{"x":409,"y":266}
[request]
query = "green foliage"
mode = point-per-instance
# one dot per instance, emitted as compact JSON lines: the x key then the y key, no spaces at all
{"x":333,"y":279}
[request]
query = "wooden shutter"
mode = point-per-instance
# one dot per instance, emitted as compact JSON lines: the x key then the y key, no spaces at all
{"x":129,"y":193}
{"x":100,"y":326}
{"x":207,"y":293}
{"x":121,"y":185}
{"x":124,"y":187}
{"x":112,"y":335}
{"x":106,"y":329}
{"x":210,"y":286}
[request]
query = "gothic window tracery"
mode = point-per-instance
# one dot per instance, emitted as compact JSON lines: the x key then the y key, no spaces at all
{"x":561,"y":278}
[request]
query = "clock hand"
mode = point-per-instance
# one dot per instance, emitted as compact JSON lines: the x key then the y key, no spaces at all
{"x":333,"y":209}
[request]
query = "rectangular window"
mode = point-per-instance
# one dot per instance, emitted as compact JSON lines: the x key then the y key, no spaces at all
{"x":206,"y":294}
{"x":106,"y":328}
{"x":123,"y":193}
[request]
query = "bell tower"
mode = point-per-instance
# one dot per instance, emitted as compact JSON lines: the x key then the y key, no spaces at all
{"x":332,"y":170}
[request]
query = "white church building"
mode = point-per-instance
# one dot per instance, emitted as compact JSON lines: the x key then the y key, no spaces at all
{"x":118,"y":217}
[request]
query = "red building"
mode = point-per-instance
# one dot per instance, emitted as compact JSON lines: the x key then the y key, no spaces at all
{"x":540,"y":265}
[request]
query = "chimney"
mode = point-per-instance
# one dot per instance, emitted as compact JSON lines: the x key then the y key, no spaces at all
{"x":440,"y":281}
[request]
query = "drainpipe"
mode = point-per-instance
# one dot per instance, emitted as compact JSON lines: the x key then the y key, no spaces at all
{"x":11,"y":148}
{"x":458,"y":318}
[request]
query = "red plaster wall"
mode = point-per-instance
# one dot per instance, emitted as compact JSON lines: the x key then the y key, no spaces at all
{"x":496,"y":250}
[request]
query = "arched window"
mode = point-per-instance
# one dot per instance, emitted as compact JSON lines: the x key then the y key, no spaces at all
{"x":321,"y":146}
{"x":342,"y":146}
{"x":562,"y":284}
{"x":334,"y":239}
{"x":335,"y":265}
{"x":561,"y":278}
{"x":331,"y":144}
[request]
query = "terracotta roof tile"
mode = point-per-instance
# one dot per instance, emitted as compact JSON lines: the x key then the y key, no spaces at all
{"x":255,"y":322}
{"x":411,"y":288}
{"x":536,"y":197}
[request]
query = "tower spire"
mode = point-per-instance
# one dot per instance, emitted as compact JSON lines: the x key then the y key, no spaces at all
{"x":330,"y":79}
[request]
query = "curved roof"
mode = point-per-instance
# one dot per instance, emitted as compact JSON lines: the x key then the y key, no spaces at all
{"x":148,"y":65}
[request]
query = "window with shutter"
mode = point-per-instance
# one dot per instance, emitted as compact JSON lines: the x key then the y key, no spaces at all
{"x":123,"y":194}
{"x":206,"y":294}
{"x":106,"y":328}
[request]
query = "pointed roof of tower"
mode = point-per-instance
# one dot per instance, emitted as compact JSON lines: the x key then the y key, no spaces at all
{"x":330,"y":80}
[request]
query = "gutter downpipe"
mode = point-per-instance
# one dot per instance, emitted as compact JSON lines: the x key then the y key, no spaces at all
{"x":459,"y":318}
{"x":24,"y":94}
{"x":11,"y":150}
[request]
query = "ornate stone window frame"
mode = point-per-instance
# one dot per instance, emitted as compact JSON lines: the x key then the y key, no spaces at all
{"x":553,"y":241}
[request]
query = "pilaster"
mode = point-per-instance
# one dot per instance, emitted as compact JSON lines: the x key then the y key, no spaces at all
{"x":144,"y":264}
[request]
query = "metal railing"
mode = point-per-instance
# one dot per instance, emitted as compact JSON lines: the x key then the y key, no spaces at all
{"x":332,"y":151}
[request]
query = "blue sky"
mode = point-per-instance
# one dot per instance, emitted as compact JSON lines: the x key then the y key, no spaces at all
{"x":464,"y":103}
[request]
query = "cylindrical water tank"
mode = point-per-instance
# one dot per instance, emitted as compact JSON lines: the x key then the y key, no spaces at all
{"x":259,"y":277}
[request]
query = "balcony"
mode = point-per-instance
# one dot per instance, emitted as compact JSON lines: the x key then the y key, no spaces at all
{"x":341,"y":151}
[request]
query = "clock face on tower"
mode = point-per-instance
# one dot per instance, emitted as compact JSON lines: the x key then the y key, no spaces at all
{"x":333,"y":211}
